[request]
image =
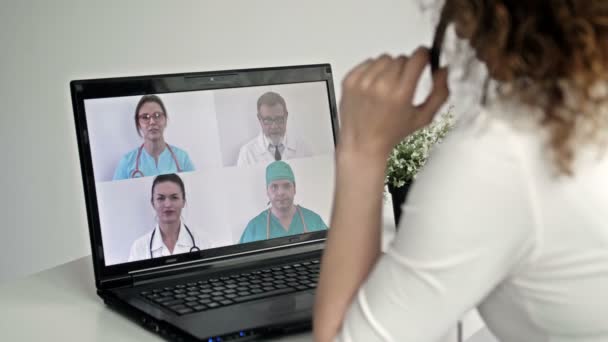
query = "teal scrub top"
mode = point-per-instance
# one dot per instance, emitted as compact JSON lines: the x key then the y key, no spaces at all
{"x":147,"y":165}
{"x":256,"y":228}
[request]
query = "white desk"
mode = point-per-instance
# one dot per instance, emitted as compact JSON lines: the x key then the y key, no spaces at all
{"x":60,"y":304}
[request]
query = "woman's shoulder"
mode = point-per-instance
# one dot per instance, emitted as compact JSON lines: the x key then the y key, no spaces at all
{"x":130,"y":155}
{"x":177,"y":150}
{"x":143,"y":240}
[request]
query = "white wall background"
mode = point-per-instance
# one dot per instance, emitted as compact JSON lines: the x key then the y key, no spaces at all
{"x":308,"y":118}
{"x":45,"y":44}
{"x":191,"y":126}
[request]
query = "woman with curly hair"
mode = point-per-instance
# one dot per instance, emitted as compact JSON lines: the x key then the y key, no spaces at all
{"x":509,"y":214}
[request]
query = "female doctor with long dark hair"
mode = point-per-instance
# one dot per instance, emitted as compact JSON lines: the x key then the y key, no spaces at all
{"x":154,"y":156}
{"x":171,"y":235}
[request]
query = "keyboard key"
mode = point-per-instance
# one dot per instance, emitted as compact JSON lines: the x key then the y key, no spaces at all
{"x":268,"y":288}
{"x":192,"y":304}
{"x":244,"y":293}
{"x":231,"y":286}
{"x":217,"y":293}
{"x":180,"y":286}
{"x":226,"y":302}
{"x":231,"y":295}
{"x":191,"y":284}
{"x":219,"y":288}
{"x":199,"y":307}
{"x":145,"y":293}
{"x":177,"y":307}
{"x":280,"y":286}
{"x":204,"y":296}
{"x":163,"y":299}
{"x":180,"y":296}
{"x":179,"y":291}
{"x":255,"y":291}
{"x":301,"y":287}
{"x":173,"y":302}
{"x":184,"y":311}
{"x":193,"y":293}
{"x":205,"y":301}
{"x":213,"y":305}
{"x":262,"y":295}
{"x":190,"y":299}
{"x":218,"y":298}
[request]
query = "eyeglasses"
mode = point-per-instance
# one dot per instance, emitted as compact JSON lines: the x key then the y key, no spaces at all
{"x":269,"y":121}
{"x":145,"y":118}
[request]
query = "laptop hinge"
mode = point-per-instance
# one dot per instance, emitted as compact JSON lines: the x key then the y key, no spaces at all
{"x":178,"y":271}
{"x":116,"y":282}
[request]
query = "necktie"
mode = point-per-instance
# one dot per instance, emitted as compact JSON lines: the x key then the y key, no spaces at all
{"x":277,"y":153}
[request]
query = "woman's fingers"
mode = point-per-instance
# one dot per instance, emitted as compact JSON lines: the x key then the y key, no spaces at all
{"x":435,"y":99}
{"x":356,"y":73}
{"x":412,"y":71}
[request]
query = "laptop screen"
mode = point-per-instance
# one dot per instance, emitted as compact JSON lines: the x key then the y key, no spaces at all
{"x":189,"y":171}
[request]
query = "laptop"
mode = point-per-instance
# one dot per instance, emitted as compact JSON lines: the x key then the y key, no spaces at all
{"x":208,"y":196}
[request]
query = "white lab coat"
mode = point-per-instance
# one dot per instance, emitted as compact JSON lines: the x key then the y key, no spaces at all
{"x":140,"y":249}
{"x":257,"y":150}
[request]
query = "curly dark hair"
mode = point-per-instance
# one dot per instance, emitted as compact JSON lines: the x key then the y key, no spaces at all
{"x":549,"y":53}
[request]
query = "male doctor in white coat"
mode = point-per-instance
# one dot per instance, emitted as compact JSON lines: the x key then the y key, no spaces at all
{"x":272,"y":143}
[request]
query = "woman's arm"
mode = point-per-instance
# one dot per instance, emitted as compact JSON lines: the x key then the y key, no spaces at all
{"x":376,"y":113}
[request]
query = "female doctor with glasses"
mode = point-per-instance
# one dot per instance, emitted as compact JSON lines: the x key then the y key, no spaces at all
{"x":171,"y":235}
{"x":154,"y":156}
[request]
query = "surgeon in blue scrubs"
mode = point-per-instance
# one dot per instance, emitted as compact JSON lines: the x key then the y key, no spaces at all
{"x":154,"y":156}
{"x":283,"y":218}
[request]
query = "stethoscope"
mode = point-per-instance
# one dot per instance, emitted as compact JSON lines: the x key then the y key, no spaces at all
{"x":268,"y":221}
{"x":137,"y":172}
{"x":192,"y":249}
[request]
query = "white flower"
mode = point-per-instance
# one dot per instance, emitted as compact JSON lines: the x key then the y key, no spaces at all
{"x":410,"y":155}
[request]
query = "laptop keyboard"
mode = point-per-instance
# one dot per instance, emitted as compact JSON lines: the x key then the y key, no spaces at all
{"x":231,"y":289}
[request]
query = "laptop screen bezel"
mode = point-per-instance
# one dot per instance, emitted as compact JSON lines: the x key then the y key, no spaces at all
{"x":82,"y":90}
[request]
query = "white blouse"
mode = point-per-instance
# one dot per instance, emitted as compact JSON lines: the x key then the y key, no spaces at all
{"x":488,"y":224}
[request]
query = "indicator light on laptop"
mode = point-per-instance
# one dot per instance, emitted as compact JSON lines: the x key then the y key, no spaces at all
{"x":241,"y":334}
{"x":210,"y":339}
